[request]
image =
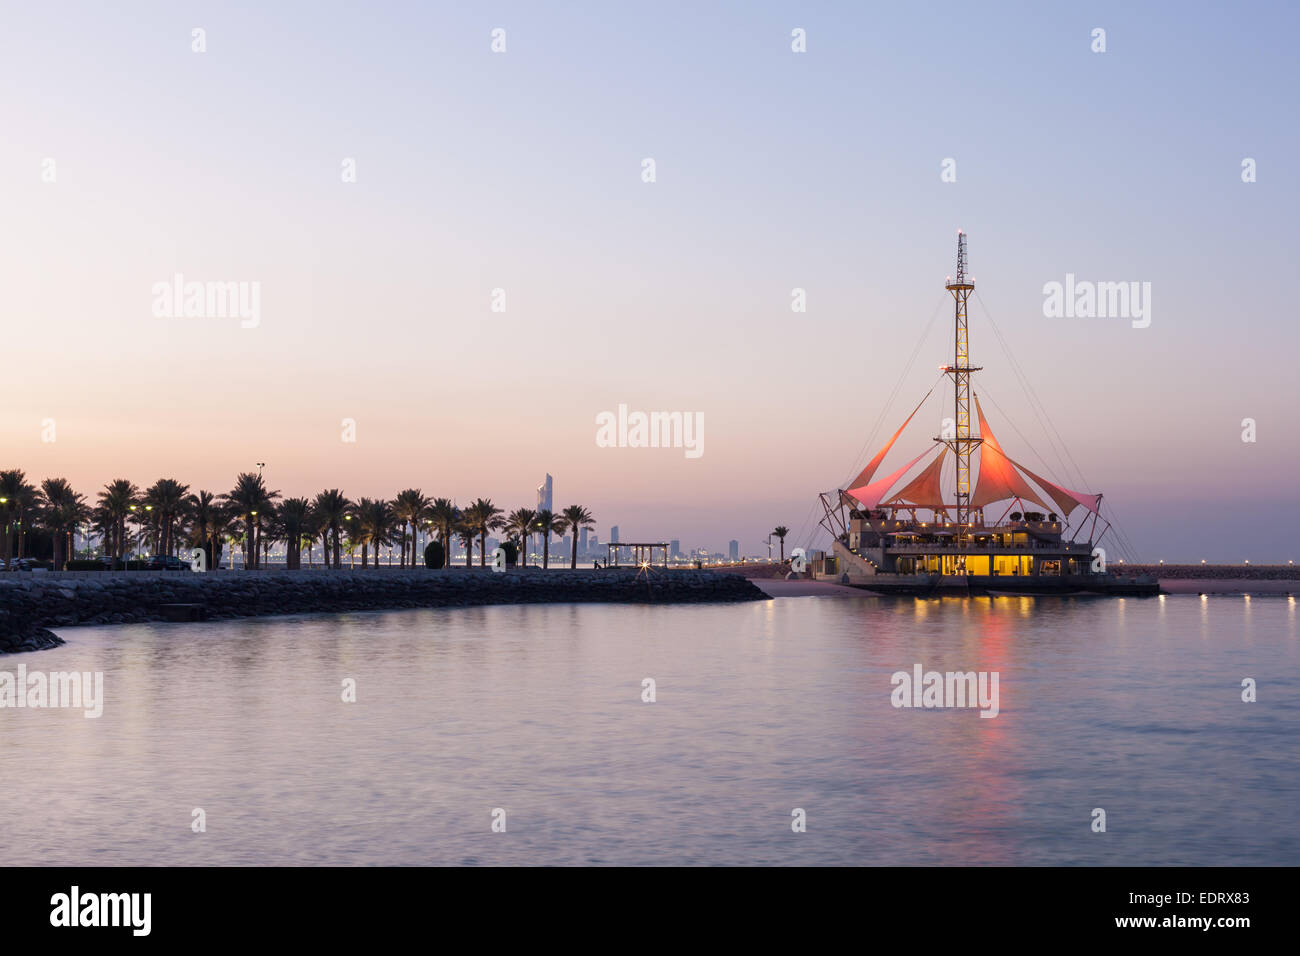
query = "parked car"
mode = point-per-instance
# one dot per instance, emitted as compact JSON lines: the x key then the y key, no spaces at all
{"x":19,"y":564}
{"x":165,"y":562}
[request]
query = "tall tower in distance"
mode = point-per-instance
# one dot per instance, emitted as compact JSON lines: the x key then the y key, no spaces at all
{"x":613,"y":535}
{"x":961,"y":286}
{"x":545,"y":496}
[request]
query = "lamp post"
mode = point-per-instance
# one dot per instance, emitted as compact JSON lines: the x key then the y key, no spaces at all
{"x":127,"y":565}
{"x":4,"y":506}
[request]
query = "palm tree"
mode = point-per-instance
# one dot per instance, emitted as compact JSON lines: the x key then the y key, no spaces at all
{"x":147,"y":527}
{"x":520,"y":522}
{"x":331,"y":508}
{"x":254,"y":503}
{"x":10,"y":483}
{"x":483,"y":516}
{"x":466,"y":531}
{"x":209,"y":521}
{"x":780,"y":531}
{"x":63,"y":510}
{"x":546,"y":524}
{"x":20,"y":500}
{"x":271,"y":532}
{"x":573,"y":519}
{"x":167,"y":495}
{"x":115,"y":503}
{"x":293,"y":514}
{"x":374,"y":520}
{"x":410,"y":506}
{"x":445,"y":515}
{"x":313,"y":528}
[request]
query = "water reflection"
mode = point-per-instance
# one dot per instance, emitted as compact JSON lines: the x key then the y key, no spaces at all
{"x":1132,"y":705}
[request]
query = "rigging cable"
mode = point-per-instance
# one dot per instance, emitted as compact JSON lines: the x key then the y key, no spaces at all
{"x":807,"y":533}
{"x":1040,"y":412}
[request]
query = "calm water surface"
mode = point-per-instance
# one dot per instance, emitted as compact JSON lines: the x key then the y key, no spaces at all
{"x":1130,"y":705}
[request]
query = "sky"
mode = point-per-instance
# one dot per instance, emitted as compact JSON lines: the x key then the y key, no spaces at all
{"x":128,"y":158}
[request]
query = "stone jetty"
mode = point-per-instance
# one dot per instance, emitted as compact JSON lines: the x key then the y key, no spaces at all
{"x":32,"y":603}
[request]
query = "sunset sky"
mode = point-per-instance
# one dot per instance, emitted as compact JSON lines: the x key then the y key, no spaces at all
{"x":775,"y":170}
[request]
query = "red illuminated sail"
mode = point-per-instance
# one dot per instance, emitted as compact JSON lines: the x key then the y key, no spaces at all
{"x":923,"y":490}
{"x":998,"y":477}
{"x":870,"y":495}
{"x":865,"y":476}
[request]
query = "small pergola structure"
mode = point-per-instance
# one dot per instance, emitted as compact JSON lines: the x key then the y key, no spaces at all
{"x":643,"y":552}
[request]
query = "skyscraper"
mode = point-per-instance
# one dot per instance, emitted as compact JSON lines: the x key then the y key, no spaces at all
{"x":545,"y":499}
{"x":733,"y":550}
{"x":613,"y":535}
{"x":675,"y":548}
{"x":582,"y":543}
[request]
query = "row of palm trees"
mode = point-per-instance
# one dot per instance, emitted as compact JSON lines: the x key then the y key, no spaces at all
{"x":167,"y":516}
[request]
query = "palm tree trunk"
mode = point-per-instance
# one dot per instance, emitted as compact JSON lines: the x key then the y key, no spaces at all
{"x":546,"y":549}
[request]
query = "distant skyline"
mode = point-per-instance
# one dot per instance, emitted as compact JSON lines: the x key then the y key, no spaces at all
{"x":499,"y":273}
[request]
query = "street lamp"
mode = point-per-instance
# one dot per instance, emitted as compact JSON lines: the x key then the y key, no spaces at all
{"x":137,"y":534}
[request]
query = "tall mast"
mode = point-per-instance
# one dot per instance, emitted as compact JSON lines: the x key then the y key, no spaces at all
{"x":961,"y":286}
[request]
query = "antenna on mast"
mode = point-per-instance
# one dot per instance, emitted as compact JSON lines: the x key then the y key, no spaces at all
{"x":962,"y":444}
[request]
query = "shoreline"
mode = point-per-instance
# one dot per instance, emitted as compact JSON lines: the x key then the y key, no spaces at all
{"x":1263,"y":587}
{"x":32,"y":604}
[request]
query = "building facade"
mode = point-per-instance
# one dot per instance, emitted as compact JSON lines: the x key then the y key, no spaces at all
{"x":545,"y":495}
